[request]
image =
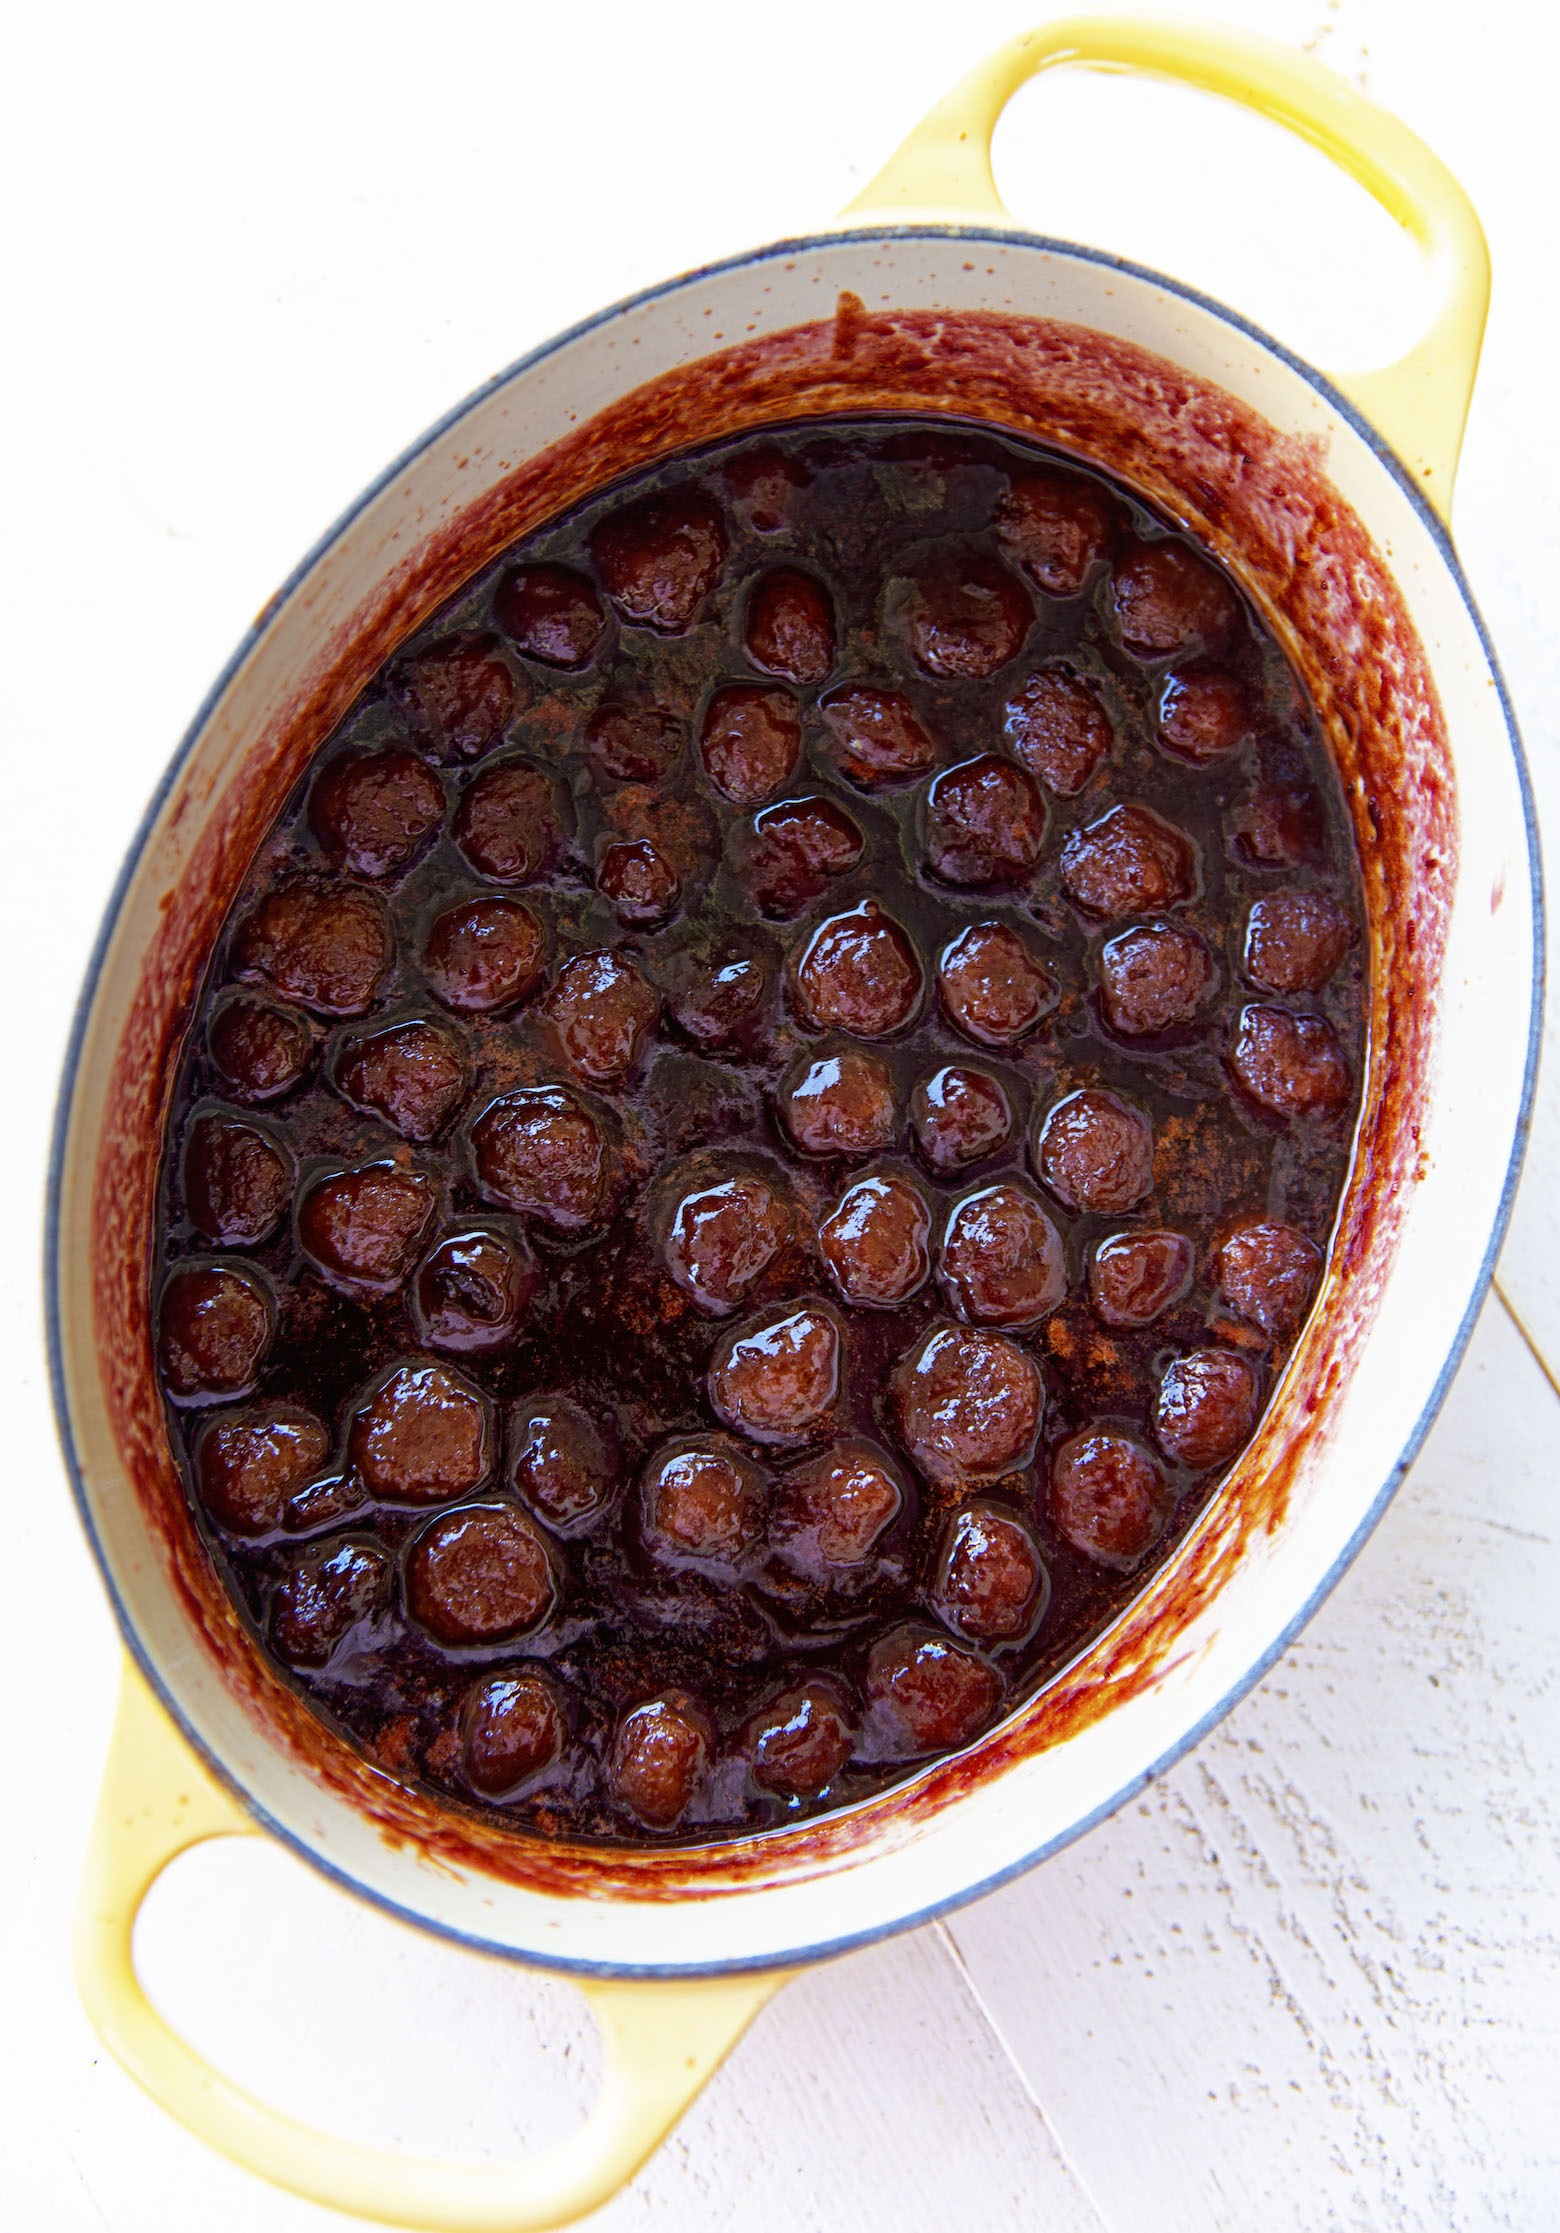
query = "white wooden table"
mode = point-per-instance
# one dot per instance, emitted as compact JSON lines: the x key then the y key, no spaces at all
{"x":1309,"y":1979}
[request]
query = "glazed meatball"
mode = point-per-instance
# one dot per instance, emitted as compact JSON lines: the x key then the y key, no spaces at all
{"x":1153,"y":979}
{"x":1134,"y":1276}
{"x":472,"y":1291}
{"x":542,"y":1151}
{"x":790,"y":627}
{"x":602,"y":1012}
{"x":330,"y":1589}
{"x":990,"y":1579}
{"x":483,"y":955}
{"x":1095,"y":1152}
{"x":561,"y":1461}
{"x":1107,"y":1497}
{"x":507,"y":822}
{"x":365,"y":1228}
{"x":411,"y":1074}
{"x":1203,"y":716}
{"x":459,"y":696}
{"x":776,"y":1377}
{"x":1057,"y":728}
{"x":511,"y":1730}
{"x":260,"y":1051}
{"x":1129,"y":862}
{"x":640,"y":881}
{"x":660,"y":559}
{"x":839,"y":1104}
{"x":478,"y":1575}
{"x":797,"y":846}
{"x":237,"y":1181}
{"x":422,"y":1437}
{"x":660,"y":1756}
{"x":959,"y":1117}
{"x":985,"y":823}
{"x":550,"y":613}
{"x":720,"y":990}
{"x":969,"y":1404}
{"x":859,"y":973}
{"x":213,"y":1327}
{"x":1205,"y":1407}
{"x":829,"y":1512}
{"x":246,"y":1468}
{"x":875,"y":1242}
{"x":750,"y":742}
{"x":764,"y":485}
{"x":1268,"y":1273}
{"x":876,"y":737}
{"x":328,"y":950}
{"x":633,"y":743}
{"x":965,"y":616}
{"x":721,"y":1238}
{"x":1281,"y":825}
{"x":1169,"y":602}
{"x":1001,"y":1262}
{"x":928,"y":1694}
{"x":1291,"y":1065}
{"x":701,"y":1499}
{"x":1295,"y":941}
{"x":992,"y":986}
{"x":373,"y":812}
{"x":1057,"y":527}
{"x":800,"y":1742}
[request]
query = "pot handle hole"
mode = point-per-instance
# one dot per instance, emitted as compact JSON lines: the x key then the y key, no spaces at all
{"x":662,"y":2041}
{"x":1420,"y":404}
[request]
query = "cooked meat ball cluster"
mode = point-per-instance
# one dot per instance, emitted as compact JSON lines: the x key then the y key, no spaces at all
{"x":761,"y":1131}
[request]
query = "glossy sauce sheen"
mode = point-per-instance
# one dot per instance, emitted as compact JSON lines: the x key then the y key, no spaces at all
{"x":806,"y":1405}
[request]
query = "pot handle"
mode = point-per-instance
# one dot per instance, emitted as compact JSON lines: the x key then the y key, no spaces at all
{"x":662,"y":2040}
{"x":943,"y":170}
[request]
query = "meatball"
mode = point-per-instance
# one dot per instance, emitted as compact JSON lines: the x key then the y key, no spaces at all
{"x":874,"y":1242}
{"x":790,"y":627}
{"x":1169,"y":602}
{"x":478,"y":1575}
{"x":550,"y":613}
{"x":801,"y":1740}
{"x":1134,"y":1276}
{"x":213,"y":1327}
{"x":797,"y":846}
{"x":764,"y":485}
{"x":928,"y":1694}
{"x":1295,"y":941}
{"x":1107,"y":1497}
{"x":876,"y":737}
{"x":1129,"y":862}
{"x":329,"y":1590}
{"x":511,"y":1729}
{"x":471,"y":1291}
{"x":422,"y":1437}
{"x":1205,"y":1407}
{"x":1057,"y":728}
{"x":1001,"y":1262}
{"x":483,"y":954}
{"x":721,"y":1238}
{"x":258,"y":1050}
{"x":1268,"y":1273}
{"x":373,"y":812}
{"x":750,"y":742}
{"x":776,"y":1377}
{"x":507,"y":822}
{"x":1153,"y":979}
{"x":541,"y":1150}
{"x":660,"y":1755}
{"x":329,"y":950}
{"x":459,"y":697}
{"x":246,"y":1468}
{"x":965,"y":615}
{"x":237,"y":1181}
{"x":561,"y":1461}
{"x":969,"y":1405}
{"x":991,"y":1580}
{"x":633,"y":743}
{"x":365,"y":1228}
{"x":839,"y":1104}
{"x":660,"y":559}
{"x":1095,"y":1152}
{"x":860,"y":974}
{"x":640,"y":881}
{"x":720,"y":990}
{"x":1281,"y":825}
{"x":992,"y":987}
{"x":1203,"y":716}
{"x":830,"y":1511}
{"x":411,"y":1074}
{"x":701,"y":1499}
{"x":1057,"y":527}
{"x":1291,"y":1065}
{"x":602,"y":1012}
{"x":959,"y":1116}
{"x":985,"y":823}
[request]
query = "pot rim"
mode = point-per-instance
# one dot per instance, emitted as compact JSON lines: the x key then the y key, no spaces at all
{"x":1004,"y":236}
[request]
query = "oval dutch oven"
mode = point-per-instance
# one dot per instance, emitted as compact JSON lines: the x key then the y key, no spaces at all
{"x":1327,"y":499}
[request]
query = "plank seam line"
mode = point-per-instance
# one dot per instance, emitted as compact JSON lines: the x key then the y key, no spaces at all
{"x":1527,"y":1333}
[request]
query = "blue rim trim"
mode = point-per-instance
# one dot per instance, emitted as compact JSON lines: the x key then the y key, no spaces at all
{"x":800,"y":1957}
